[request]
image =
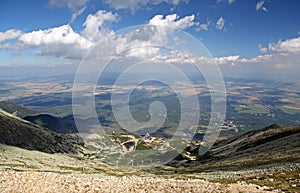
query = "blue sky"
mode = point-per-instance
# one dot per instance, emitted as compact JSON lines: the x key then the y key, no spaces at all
{"x":263,"y":34}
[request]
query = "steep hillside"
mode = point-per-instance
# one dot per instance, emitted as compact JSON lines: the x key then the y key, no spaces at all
{"x":269,"y":145}
{"x":268,"y":141}
{"x":56,"y":124}
{"x":66,"y":124}
{"x":18,"y":132}
{"x":18,"y":110}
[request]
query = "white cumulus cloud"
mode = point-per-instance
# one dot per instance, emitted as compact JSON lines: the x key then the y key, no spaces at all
{"x":63,"y":41}
{"x":226,"y":60}
{"x":9,"y":35}
{"x":173,"y":21}
{"x":156,"y":32}
{"x":58,"y":41}
{"x":289,"y":45}
{"x":63,"y":35}
{"x":94,"y":25}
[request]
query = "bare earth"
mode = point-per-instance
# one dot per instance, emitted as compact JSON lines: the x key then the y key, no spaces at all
{"x":30,"y":181}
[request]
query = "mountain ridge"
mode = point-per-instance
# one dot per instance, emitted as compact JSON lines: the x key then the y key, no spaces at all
{"x":267,"y":145}
{"x":21,"y":133}
{"x":16,"y":109}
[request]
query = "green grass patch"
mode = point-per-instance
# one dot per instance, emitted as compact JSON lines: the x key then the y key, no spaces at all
{"x":246,"y":107}
{"x":289,"y":110}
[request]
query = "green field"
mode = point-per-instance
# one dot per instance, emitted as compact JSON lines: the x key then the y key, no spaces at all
{"x":248,"y":107}
{"x":289,"y":110}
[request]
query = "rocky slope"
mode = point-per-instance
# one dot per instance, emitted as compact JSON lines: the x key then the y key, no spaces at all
{"x":271,"y":144}
{"x":18,"y":132}
{"x":56,"y":124}
{"x":51,"y":182}
{"x":274,"y":142}
{"x":17,"y":110}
